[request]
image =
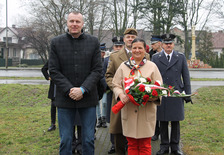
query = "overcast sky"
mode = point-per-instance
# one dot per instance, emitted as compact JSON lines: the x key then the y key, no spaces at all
{"x":16,"y":10}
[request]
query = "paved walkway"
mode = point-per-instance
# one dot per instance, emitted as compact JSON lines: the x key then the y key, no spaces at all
{"x":102,"y":142}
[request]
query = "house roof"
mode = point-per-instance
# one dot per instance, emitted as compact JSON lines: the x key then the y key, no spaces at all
{"x":218,"y":40}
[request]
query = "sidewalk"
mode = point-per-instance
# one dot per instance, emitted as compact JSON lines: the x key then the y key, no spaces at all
{"x":102,"y":142}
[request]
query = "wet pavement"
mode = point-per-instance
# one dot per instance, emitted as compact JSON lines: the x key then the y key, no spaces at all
{"x":21,"y":73}
{"x":33,"y":82}
{"x":207,"y":73}
{"x":36,"y":72}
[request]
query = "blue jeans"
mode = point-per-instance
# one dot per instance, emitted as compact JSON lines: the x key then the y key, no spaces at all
{"x":101,"y":110}
{"x":66,"y":119}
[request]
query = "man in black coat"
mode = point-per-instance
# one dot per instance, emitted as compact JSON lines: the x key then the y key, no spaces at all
{"x":75,"y":67}
{"x":51,"y":95}
{"x":174,"y":70}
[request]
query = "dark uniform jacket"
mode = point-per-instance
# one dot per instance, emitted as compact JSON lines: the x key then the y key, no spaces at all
{"x":51,"y":91}
{"x":75,"y":62}
{"x":174,"y":73}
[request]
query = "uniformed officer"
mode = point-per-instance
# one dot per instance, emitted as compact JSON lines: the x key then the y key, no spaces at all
{"x":174,"y":70}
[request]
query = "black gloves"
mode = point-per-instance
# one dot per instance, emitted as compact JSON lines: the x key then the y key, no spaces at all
{"x":188,"y":99}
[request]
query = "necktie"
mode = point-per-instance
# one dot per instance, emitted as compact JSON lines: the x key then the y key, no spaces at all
{"x":168,"y":57}
{"x":129,"y":54}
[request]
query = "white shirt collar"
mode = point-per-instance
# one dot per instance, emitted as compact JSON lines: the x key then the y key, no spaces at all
{"x":169,"y":54}
{"x":127,"y":50}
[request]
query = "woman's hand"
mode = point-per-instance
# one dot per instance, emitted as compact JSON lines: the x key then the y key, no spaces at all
{"x":153,"y":99}
{"x":124,"y":98}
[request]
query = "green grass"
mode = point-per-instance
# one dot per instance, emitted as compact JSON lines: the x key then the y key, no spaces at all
{"x":24,"y":120}
{"x":206,"y":79}
{"x":21,"y":78}
{"x":203,"y":128}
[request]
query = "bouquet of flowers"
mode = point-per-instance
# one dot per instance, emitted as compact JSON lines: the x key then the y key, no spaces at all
{"x":140,"y":89}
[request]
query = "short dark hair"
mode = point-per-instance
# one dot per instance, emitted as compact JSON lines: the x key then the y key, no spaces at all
{"x":139,"y":40}
{"x":75,"y":12}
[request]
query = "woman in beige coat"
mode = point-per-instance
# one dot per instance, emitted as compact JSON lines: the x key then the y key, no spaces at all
{"x":138,"y":123}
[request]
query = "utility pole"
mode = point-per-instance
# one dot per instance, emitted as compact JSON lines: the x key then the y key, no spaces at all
{"x":7,"y":48}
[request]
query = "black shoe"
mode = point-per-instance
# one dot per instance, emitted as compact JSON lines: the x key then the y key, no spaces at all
{"x":79,"y":149}
{"x":177,"y":152}
{"x":162,"y":151}
{"x":112,"y":150}
{"x":104,"y":123}
{"x":99,"y":123}
{"x":52,"y":127}
{"x":155,"y":137}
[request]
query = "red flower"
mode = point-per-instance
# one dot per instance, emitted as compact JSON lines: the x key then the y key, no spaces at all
{"x":154,"y":93}
{"x":145,"y":97}
{"x":170,"y":87}
{"x":141,"y":88}
{"x":156,"y":83}
{"x":148,"y":79}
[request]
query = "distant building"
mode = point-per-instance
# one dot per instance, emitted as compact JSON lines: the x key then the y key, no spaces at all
{"x":218,"y":42}
{"x":18,"y":49}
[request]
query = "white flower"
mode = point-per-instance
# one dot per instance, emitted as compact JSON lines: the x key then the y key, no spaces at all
{"x":142,"y":80}
{"x":183,"y":93}
{"x":164,"y":93}
{"x":176,"y":92}
{"x":147,"y":89}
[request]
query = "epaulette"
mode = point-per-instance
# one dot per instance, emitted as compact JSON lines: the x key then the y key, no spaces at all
{"x":180,"y":52}
{"x":156,"y":53}
{"x":113,"y":53}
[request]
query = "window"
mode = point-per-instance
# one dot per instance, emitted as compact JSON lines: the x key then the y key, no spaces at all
{"x":14,"y":52}
{"x":9,"y":39}
{"x":1,"y":52}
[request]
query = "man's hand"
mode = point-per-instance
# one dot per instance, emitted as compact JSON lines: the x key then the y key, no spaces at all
{"x":153,"y":99}
{"x":76,"y":93}
{"x":188,"y":99}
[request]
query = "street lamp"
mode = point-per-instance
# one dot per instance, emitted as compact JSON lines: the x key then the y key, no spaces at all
{"x":7,"y":48}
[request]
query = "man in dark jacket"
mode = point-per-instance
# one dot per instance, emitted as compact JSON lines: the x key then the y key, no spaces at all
{"x":51,"y":95}
{"x":156,"y":44}
{"x":75,"y":67}
{"x":174,"y":70}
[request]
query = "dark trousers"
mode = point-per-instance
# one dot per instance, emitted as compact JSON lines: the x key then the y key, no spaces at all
{"x":112,"y":139}
{"x":120,"y":142}
{"x":157,"y":130}
{"x":174,"y":137}
{"x":53,"y":112}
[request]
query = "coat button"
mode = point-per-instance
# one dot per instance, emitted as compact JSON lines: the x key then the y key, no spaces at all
{"x":136,"y":111}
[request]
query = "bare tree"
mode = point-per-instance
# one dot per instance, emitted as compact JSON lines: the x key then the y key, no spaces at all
{"x":159,"y":15}
{"x":38,"y":39}
{"x":119,"y":16}
{"x":190,"y":14}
